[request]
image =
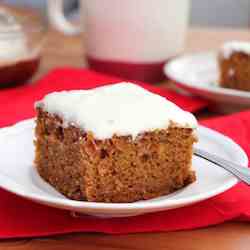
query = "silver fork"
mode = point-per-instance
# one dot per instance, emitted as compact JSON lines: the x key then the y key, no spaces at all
{"x":240,"y":172}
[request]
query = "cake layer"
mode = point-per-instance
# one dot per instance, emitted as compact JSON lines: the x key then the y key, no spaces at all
{"x":117,"y":169}
{"x":235,"y":71}
{"x":120,"y":109}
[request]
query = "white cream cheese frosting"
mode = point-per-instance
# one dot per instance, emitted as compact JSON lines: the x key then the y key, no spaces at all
{"x":235,"y":46}
{"x":121,"y":109}
{"x":13,"y":42}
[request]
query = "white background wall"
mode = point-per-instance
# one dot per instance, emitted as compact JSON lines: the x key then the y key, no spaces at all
{"x":233,"y":13}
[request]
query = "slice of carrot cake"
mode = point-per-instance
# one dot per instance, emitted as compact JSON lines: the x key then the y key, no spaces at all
{"x":117,"y":143}
{"x":234,"y":63}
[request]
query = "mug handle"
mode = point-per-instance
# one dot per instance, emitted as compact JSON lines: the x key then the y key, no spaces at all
{"x":58,"y":19}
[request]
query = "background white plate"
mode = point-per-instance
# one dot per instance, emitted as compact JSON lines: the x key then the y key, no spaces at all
{"x":198,"y":74}
{"x":18,"y":175}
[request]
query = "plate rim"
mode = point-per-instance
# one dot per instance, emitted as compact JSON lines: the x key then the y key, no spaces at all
{"x":116,"y":207}
{"x":168,"y":71}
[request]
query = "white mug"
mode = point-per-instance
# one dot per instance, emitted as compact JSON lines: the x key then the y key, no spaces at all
{"x":128,"y":38}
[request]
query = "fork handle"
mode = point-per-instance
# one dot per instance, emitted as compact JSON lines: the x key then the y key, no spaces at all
{"x":240,"y":172}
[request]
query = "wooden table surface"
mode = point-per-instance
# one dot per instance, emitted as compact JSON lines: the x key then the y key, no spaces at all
{"x":61,"y":51}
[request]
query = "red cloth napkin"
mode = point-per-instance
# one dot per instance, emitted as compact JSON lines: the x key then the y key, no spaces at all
{"x":23,"y":218}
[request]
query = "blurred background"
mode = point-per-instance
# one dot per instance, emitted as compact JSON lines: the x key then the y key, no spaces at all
{"x":224,"y":13}
{"x":224,"y":18}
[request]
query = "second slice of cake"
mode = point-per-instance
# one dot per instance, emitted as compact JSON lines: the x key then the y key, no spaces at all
{"x":234,"y":65}
{"x":118,"y":143}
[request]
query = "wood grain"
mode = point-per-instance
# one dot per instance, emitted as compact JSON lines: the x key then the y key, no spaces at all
{"x":230,"y":236}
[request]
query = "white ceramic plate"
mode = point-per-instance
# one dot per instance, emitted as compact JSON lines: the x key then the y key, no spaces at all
{"x":198,"y":74}
{"x":18,"y":175}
